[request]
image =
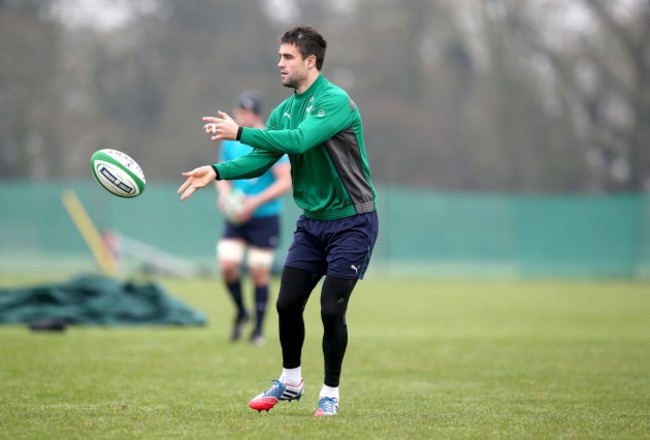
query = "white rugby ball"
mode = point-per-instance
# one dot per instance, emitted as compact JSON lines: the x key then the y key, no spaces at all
{"x":117,"y":172}
{"x":233,"y":205}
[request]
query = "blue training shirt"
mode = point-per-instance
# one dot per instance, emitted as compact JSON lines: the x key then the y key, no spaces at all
{"x":230,"y":150}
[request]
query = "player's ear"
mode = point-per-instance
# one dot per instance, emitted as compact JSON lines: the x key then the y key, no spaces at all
{"x":311,"y":61}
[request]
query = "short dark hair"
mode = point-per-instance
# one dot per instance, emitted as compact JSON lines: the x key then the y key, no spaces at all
{"x":308,"y":42}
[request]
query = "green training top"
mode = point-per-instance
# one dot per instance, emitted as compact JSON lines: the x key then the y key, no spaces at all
{"x":321,"y":132}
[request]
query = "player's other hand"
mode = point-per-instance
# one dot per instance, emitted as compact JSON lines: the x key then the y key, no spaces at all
{"x":246,"y":213}
{"x":197,"y":178}
{"x":222,"y":127}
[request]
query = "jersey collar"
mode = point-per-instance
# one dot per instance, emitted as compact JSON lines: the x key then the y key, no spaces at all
{"x":312,"y":88}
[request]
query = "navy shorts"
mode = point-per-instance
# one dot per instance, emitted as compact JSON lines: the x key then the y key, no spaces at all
{"x":340,"y":248}
{"x":261,"y":232}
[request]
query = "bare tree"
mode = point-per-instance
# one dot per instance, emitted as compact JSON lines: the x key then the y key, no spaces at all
{"x":599,"y":73}
{"x":28,"y":92}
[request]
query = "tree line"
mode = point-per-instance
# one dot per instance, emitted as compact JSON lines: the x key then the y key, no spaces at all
{"x":498,"y":95}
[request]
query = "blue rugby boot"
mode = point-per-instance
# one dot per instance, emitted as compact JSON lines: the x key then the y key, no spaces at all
{"x":327,"y":406}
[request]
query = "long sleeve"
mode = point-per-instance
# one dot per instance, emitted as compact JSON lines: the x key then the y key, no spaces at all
{"x":329,"y":115}
{"x":248,"y":166}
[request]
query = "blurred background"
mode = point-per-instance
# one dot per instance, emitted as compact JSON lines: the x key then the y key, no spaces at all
{"x":507,"y":138}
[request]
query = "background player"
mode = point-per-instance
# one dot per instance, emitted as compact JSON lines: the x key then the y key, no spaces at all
{"x":254,"y":234}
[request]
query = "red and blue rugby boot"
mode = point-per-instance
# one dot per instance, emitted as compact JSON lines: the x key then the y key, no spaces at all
{"x":278,"y":391}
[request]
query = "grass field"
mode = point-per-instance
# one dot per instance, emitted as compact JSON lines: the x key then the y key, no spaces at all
{"x":425,"y":360}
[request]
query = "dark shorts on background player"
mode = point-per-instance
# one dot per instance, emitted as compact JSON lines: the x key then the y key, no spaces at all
{"x":341,"y":248}
{"x":262,"y":232}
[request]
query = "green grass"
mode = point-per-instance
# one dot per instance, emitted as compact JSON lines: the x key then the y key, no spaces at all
{"x":425,"y":360}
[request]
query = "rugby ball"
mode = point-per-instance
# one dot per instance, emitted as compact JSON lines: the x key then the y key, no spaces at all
{"x":233,"y":205}
{"x":117,"y":172}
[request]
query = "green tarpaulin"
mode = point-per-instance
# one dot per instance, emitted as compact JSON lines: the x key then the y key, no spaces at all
{"x":96,"y":300}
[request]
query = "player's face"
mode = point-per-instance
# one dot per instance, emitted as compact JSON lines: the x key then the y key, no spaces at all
{"x":245,"y":117}
{"x":293,"y":68}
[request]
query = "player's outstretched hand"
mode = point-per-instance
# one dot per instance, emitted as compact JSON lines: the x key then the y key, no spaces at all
{"x":197,"y":178}
{"x":222,"y":127}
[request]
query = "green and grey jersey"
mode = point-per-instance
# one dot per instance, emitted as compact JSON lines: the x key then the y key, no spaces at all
{"x":321,"y":132}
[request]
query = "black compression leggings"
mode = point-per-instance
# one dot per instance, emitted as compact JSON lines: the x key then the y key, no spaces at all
{"x":295,"y":288}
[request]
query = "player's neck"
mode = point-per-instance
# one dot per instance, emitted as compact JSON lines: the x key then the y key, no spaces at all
{"x":312,"y":76}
